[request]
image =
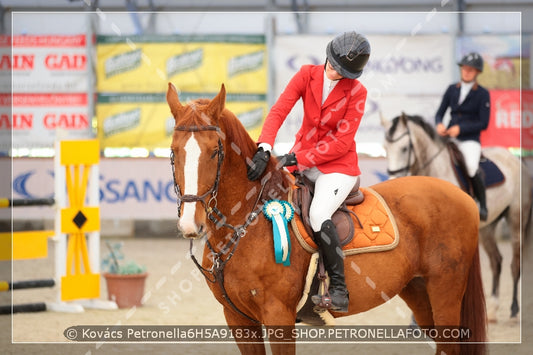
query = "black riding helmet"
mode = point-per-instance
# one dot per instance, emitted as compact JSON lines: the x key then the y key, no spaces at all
{"x":348,"y":54}
{"x":473,"y":60}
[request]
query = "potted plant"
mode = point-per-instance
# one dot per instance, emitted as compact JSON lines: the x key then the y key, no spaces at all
{"x":125,"y":280}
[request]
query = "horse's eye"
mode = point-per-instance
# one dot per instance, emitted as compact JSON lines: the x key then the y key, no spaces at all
{"x":404,"y":150}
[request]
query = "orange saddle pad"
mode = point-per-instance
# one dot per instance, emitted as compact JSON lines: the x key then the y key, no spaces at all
{"x":379,"y":232}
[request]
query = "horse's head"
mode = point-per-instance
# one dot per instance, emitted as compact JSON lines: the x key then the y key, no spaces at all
{"x":197,"y":156}
{"x":398,"y":146}
{"x":409,"y":144}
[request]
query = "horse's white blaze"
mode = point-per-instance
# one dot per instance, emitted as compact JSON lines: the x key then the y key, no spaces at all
{"x":190,"y":172}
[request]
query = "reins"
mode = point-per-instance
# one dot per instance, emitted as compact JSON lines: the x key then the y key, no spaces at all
{"x":216,"y":273}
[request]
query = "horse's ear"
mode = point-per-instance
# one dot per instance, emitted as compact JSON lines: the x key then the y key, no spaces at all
{"x":173,"y":100}
{"x":403,"y":118}
{"x":216,"y":106}
{"x":384,"y":122}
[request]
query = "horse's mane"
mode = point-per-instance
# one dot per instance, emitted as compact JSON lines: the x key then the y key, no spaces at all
{"x":419,"y":121}
{"x":237,"y":134}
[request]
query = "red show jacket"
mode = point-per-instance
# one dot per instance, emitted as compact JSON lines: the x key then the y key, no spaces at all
{"x":326,"y":138}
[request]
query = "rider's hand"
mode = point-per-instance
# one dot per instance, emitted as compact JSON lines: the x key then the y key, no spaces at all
{"x":441,"y":130}
{"x":454,"y":131}
{"x":287,"y":160}
{"x":258,"y":165}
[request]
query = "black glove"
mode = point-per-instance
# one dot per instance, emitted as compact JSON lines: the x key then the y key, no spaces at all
{"x":287,"y":160}
{"x":259,"y":164}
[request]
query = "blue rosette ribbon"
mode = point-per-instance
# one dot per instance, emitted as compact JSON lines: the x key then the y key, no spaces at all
{"x":279,"y":213}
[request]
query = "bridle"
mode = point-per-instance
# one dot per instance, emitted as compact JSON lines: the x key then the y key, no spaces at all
{"x":406,"y":169}
{"x":216,"y":273}
{"x":213,"y":191}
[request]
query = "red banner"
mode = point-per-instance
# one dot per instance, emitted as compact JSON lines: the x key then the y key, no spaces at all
{"x":504,"y":124}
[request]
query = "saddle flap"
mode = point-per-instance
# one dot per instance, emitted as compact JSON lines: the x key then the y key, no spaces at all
{"x":344,"y":224}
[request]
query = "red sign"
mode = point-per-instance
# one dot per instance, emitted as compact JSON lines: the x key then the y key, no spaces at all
{"x":505,"y":116}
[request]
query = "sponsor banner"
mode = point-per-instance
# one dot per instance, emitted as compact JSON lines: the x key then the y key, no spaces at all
{"x":503,"y":59}
{"x":504,"y":123}
{"x":145,"y":64}
{"x":140,"y":189}
{"x":402,"y":65}
{"x":144,"y":120}
{"x":45,"y":63}
{"x":36,"y":120}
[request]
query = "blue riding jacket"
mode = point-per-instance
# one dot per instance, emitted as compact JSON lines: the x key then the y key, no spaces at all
{"x":472,"y":115}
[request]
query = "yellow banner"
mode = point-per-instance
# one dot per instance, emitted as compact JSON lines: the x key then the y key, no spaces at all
{"x":145,"y":120}
{"x":145,"y":64}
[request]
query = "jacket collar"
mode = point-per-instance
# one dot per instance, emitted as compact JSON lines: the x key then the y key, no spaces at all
{"x":317,"y":82}
{"x":458,"y":85}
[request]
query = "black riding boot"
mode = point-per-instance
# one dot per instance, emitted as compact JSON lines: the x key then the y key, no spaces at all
{"x":330,"y":247}
{"x":479,"y":190}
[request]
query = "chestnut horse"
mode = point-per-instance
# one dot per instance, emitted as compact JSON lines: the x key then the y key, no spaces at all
{"x":434,"y":268}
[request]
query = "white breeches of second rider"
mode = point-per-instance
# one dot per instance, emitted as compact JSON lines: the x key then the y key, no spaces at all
{"x":472,"y":153}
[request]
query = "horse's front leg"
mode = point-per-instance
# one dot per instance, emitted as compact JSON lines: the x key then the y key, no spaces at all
{"x":279,"y":320}
{"x":248,"y":335}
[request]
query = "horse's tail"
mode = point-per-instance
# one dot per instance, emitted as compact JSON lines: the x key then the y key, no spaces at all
{"x":473,"y":311}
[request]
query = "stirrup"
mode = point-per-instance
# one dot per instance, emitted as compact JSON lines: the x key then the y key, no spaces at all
{"x":322,"y":302}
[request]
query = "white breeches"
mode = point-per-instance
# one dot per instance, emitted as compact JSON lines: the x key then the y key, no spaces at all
{"x":330,"y":192}
{"x":472,"y":153}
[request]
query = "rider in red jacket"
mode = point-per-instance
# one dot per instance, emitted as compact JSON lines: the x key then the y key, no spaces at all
{"x":324,"y":150}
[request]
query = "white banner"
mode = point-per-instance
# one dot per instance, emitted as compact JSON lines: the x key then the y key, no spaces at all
{"x":140,"y":189}
{"x":45,"y":64}
{"x":404,"y":73}
{"x":37,"y":120}
{"x":399,"y":65}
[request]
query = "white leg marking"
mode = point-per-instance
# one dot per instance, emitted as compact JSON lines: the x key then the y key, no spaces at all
{"x":190,"y":171}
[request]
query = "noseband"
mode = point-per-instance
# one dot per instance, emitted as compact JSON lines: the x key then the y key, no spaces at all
{"x":213,"y":191}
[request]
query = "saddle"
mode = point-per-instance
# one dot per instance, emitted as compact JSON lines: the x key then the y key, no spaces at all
{"x":341,"y":218}
{"x":364,"y":224}
{"x":492,"y":175}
